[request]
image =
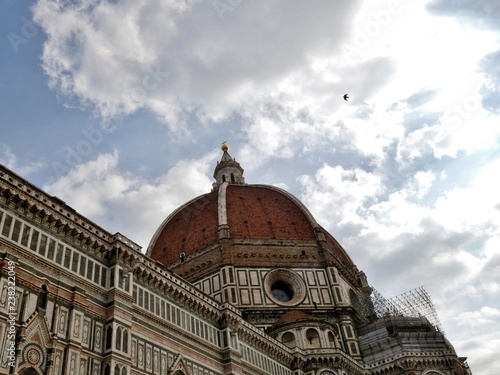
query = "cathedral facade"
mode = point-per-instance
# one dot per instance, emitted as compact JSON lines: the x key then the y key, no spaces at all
{"x":241,"y":280}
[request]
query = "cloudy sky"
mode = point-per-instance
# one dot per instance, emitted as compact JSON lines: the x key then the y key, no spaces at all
{"x":120,"y":107}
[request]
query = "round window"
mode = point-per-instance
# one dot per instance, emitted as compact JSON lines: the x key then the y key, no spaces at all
{"x":284,"y":287}
{"x":282,"y":291}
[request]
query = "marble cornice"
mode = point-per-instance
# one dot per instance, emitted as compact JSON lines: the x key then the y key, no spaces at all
{"x":344,"y":270}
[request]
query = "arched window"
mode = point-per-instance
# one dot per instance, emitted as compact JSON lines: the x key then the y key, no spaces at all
{"x":288,"y":339}
{"x":232,"y":179}
{"x":312,"y":337}
{"x":223,"y":178}
{"x":118,"y":342}
{"x":117,"y":370}
{"x":109,"y":337}
{"x":107,"y":369}
{"x":125,"y":341}
{"x":124,"y":371}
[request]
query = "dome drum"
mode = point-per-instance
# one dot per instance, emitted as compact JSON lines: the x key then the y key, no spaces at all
{"x":265,"y":253}
{"x":193,"y":266}
{"x":239,"y":253}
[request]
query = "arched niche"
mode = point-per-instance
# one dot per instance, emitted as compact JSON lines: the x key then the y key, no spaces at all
{"x":28,"y":371}
{"x":289,"y":340}
{"x":312,"y":337}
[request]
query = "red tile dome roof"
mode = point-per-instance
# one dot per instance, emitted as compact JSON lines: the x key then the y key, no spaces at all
{"x":264,"y":212}
{"x":244,"y":225}
{"x":191,"y":227}
{"x":257,"y":212}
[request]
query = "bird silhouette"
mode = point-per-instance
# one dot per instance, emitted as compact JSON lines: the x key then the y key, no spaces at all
{"x":346,"y":97}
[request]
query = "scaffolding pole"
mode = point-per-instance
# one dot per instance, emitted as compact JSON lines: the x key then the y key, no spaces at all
{"x":414,"y":303}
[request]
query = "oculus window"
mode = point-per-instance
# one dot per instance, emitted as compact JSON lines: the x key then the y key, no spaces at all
{"x":284,"y":287}
{"x":282,"y":291}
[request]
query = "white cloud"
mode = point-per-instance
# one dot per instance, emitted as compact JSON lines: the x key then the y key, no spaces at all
{"x":473,"y":206}
{"x":423,"y":182}
{"x":337,"y":195}
{"x":486,"y":316}
{"x":402,"y":240}
{"x":122,"y":56}
{"x":9,"y":159}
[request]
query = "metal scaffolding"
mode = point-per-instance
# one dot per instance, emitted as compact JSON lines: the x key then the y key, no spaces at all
{"x":414,"y":303}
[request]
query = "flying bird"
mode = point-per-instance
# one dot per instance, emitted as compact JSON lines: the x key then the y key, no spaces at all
{"x":346,"y":97}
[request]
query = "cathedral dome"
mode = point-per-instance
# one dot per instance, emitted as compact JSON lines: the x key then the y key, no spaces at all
{"x":244,"y":225}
